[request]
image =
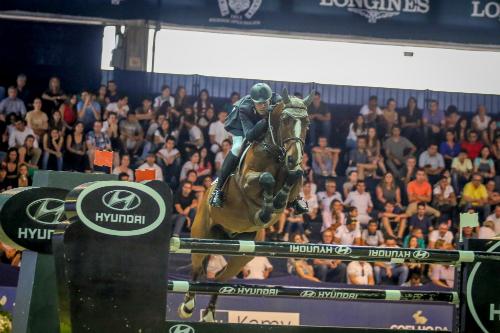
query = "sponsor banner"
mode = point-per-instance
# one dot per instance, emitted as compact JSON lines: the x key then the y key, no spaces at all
{"x":263,"y":318}
{"x":450,"y":21}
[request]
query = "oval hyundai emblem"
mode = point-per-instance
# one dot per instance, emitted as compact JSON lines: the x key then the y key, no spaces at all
{"x":181,"y":328}
{"x":120,"y":208}
{"x":46,"y":211}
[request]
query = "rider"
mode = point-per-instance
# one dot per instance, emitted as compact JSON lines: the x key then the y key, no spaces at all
{"x":248,"y":121}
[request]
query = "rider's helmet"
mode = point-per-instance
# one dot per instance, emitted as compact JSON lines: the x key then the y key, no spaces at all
{"x":260,"y":93}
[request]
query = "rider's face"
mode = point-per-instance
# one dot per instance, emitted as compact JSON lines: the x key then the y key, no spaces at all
{"x":262,"y":107}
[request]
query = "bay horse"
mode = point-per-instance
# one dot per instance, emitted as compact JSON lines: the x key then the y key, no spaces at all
{"x":269,"y":175}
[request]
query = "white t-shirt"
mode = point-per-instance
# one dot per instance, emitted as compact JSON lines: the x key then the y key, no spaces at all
{"x":185,"y":168}
{"x":17,"y":138}
{"x":256,"y":267}
{"x":362,"y":270}
{"x":372,"y":240}
{"x":495,"y":220}
{"x":217,"y":129}
{"x":365,"y":110}
{"x":434,"y":236}
{"x":481,"y":125}
{"x":324,"y":202}
{"x":347,"y":237}
{"x":440,"y":272}
{"x":362,"y":201}
{"x":165,"y":153}
{"x":216,"y":263}
{"x":159,"y":100}
{"x":447,"y":191}
{"x":486,"y":233}
{"x":113,"y":107}
{"x":130,"y":173}
{"x":195,"y":134}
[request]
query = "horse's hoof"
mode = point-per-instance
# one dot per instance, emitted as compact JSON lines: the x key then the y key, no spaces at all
{"x":208,"y":316}
{"x":266,"y":180}
{"x":183,"y":312}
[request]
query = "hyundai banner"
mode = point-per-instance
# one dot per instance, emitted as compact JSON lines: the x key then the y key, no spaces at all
{"x":412,"y":21}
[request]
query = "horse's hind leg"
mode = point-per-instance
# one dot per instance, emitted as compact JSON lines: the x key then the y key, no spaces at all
{"x":186,"y":308}
{"x":263,"y":215}
{"x":208,"y":315}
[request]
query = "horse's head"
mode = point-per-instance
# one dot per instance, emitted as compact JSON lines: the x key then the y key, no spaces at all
{"x":290,"y":122}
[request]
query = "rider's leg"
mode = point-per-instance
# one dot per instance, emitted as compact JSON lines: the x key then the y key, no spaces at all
{"x":228,"y":166}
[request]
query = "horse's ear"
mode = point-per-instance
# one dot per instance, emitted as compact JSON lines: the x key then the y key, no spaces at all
{"x":308,"y":100}
{"x":284,"y":95}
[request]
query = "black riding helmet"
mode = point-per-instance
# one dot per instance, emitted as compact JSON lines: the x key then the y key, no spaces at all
{"x":260,"y":93}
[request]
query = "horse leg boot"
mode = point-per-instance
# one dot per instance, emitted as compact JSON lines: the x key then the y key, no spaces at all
{"x":263,"y":215}
{"x":186,"y":308}
{"x":208,"y":315}
{"x":281,"y":198}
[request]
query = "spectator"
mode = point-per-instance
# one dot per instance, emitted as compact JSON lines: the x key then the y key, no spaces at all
{"x":442,"y":275}
{"x":120,"y":107}
{"x":451,"y":118}
{"x":294,"y":224}
{"x":124,"y":167}
{"x":218,"y":133}
{"x":192,"y":164}
{"x":414,"y":281}
{"x":420,"y":220}
{"x":235,"y":97}
{"x":216,"y":263}
{"x":11,"y":164}
{"x":145,"y":113}
{"x":394,"y":224}
{"x":23,"y":179}
{"x":493,"y":195}
{"x":312,"y":202}
{"x":75,"y":156}
{"x":132,"y":136}
{"x":23,"y":92}
{"x":325,"y":198}
{"x":442,"y":233}
{"x":418,"y":234}
{"x":37,"y":120}
{"x":373,"y":147}
{"x":358,"y":160}
{"x":419,"y":190}
{"x":169,"y":158}
{"x":372,"y":236}
{"x":258,"y":268}
{"x":360,"y":273}
{"x":56,"y":121}
{"x":475,"y":196}
{"x":350,"y":184}
{"x":491,"y":133}
{"x":53,"y":96}
{"x":397,"y":149}
{"x":101,"y":96}
{"x":221,"y":155}
{"x":111,"y":128}
{"x":415,"y":268}
{"x":29,"y":152}
{"x":495,"y":218}
{"x":371,"y":111}
{"x":481,"y":120}
{"x":449,"y":149}
{"x":444,"y":198}
{"x":97,"y":140}
{"x":362,"y":201}
{"x":10,"y":255}
{"x":185,"y":204}
{"x":12,"y":104}
{"x":300,"y":266}
{"x":337,"y":217}
{"x":388,"y":190}
{"x":52,"y":150}
{"x":394,"y":273}
{"x":203,"y":103}
{"x":461,"y":170}
{"x":484,"y":165}
{"x":433,"y":122}
{"x":329,"y":270}
{"x":487,"y":230}
{"x":356,"y":129}
{"x":112,"y":95}
{"x":162,"y":133}
{"x":432,"y":162}
{"x":409,"y":171}
{"x":389,"y":117}
{"x":472,"y":146}
{"x":150,"y":164}
{"x":206,"y":120}
{"x":205,"y":166}
{"x":19,"y":133}
{"x":165,"y":97}
{"x":196,"y":140}
{"x":348,"y":233}
{"x":88,"y":110}
{"x":180,"y":98}
{"x":325,"y":159}
{"x":411,"y":120}
{"x":320,"y":119}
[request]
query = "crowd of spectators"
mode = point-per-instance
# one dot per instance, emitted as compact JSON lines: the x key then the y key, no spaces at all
{"x":400,"y":179}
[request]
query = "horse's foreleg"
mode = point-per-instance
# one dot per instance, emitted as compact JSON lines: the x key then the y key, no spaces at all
{"x":186,"y":308}
{"x":267,"y":182}
{"x":208,"y":315}
{"x":281,"y":198}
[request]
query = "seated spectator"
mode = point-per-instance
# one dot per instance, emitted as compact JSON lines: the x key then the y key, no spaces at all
{"x":397,"y":149}
{"x":69,"y":112}
{"x":419,"y":190}
{"x":185,"y":204}
{"x":11,"y":164}
{"x":432,"y":162}
{"x":449,"y":149}
{"x":388,"y":190}
{"x":495,"y":218}
{"x":17,"y":136}
{"x":312,"y":203}
{"x":218,"y":133}
{"x":481,"y":120}
{"x":89,"y":110}
{"x":204,"y":121}
{"x":356,"y":129}
{"x":358,"y":160}
{"x":467,"y":233}
{"x":337,"y":217}
{"x":320,"y":118}
{"x":53,"y":96}
{"x":409,"y":171}
{"x":145,"y":113}
{"x":23,"y":91}
{"x":29,"y":152}
{"x":328,"y":270}
{"x":433,"y":122}
{"x":112,"y":129}
{"x":301,"y":267}
{"x":132,"y":135}
{"x":362,"y":201}
{"x":394,"y":224}
{"x":371,"y":111}
{"x":371,"y":236}
{"x":112,"y":95}
{"x":444,"y":198}
{"x":37,"y":120}
{"x":150,"y":164}
{"x":97,"y":140}
{"x":373,"y":148}
{"x":484,"y":165}
{"x":472,"y":146}
{"x":414,"y":281}
{"x":221,"y":155}
{"x":119,"y":107}
{"x":348,"y":233}
{"x":461,"y":170}
{"x":203,"y":103}
{"x":350,"y":184}
{"x":325,"y":159}
{"x":451,"y":118}
{"x":360,"y":273}
{"x":442,"y":275}
{"x":258,"y":268}
{"x":388,"y":271}
{"x":216,"y":263}
{"x":52,"y":150}
{"x":411,"y":120}
{"x":417,"y":233}
{"x":196,"y":140}
{"x":75,"y":155}
{"x":442,"y":233}
{"x":487,"y":230}
{"x":205,"y":166}
{"x":495,"y":151}
{"x":192,"y":164}
{"x":389,"y":118}
{"x":415,"y":268}
{"x":12,"y":105}
{"x":325,"y":198}
{"x":493,"y":195}
{"x":169,"y":158}
{"x":294,"y":224}
{"x":163,"y":133}
{"x":165,"y":97}
{"x":475,"y":196}
{"x":124,"y":167}
{"x":23,"y":179}
{"x":228,"y":106}
{"x":420,"y":220}
{"x":56,"y":121}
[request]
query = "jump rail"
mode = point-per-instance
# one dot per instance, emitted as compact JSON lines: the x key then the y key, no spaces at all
{"x":312,"y":293}
{"x":326,"y":251}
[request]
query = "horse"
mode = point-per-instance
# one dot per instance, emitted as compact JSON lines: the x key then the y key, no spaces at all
{"x":269,"y":175}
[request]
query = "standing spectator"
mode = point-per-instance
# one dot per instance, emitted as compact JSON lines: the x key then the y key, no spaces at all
{"x":37,"y":120}
{"x":442,"y":234}
{"x":88,"y":110}
{"x":371,"y":236}
{"x":394,"y":273}
{"x":461,"y":170}
{"x":411,"y":120}
{"x":325,"y":198}
{"x":348,"y":233}
{"x":75,"y":156}
{"x":444,"y":199}
{"x":165,"y":97}
{"x":371,"y":111}
{"x":185,"y":204}
{"x":12,"y":104}
{"x":124,"y":167}
{"x":397,"y":150}
{"x":475,"y":196}
{"x":394,"y":224}
{"x":356,"y":129}
{"x":258,"y":268}
{"x":420,"y":190}
{"x":432,"y":162}
{"x":420,"y":220}
{"x":53,"y":96}
{"x":484,"y":165}
{"x":325,"y":159}
{"x":433,"y":122}
{"x":328,"y":270}
{"x":449,"y":149}
{"x":360,"y":273}
{"x":472,"y":146}
{"x":320,"y":119}
{"x":362,"y":201}
{"x":97,"y":140}
{"x":52,"y":145}
{"x":217,"y":132}
{"x":150,"y":164}
{"x":389,"y":117}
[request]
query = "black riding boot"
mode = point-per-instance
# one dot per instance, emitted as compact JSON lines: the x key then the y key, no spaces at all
{"x":230,"y":163}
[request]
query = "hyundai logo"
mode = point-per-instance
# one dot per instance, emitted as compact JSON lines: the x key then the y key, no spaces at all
{"x":421,"y":254}
{"x":308,"y":293}
{"x":343,"y":250}
{"x":227,"y":290}
{"x":46,"y":211}
{"x":121,"y":200}
{"x":181,"y":328}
